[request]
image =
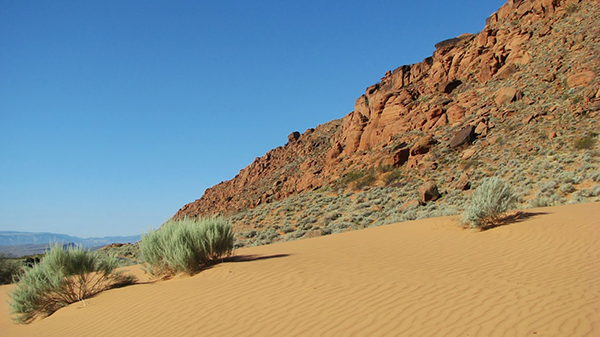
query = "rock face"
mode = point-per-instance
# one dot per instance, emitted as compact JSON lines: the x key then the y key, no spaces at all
{"x":444,"y":101}
{"x":283,"y":171}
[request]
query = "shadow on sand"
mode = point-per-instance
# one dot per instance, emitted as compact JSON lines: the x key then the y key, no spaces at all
{"x":249,"y":258}
{"x":513,"y":218}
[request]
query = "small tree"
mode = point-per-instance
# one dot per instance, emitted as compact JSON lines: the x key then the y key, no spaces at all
{"x":489,"y":202}
{"x":186,"y":245}
{"x":62,"y":277}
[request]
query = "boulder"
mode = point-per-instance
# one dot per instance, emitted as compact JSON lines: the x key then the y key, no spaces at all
{"x":423,"y":145}
{"x":463,"y":183}
{"x":481,"y":128}
{"x":410,"y":204}
{"x":463,"y":137}
{"x":507,"y":94}
{"x":581,"y":79}
{"x":293,"y":136}
{"x":506,"y":71}
{"x":549,"y":77}
{"x":468,"y":153}
{"x":429,"y":192}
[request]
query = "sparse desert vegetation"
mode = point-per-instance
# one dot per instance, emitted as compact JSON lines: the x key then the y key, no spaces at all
{"x":186,"y":245}
{"x":62,"y":277}
{"x":489,"y":202}
{"x":535,"y":147}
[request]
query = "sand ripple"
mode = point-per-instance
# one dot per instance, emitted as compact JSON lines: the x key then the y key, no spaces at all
{"x":537,"y":277}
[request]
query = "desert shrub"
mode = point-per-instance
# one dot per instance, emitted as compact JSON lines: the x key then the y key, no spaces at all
{"x":250,"y":233}
{"x":548,"y":187}
{"x":349,"y":177}
{"x":364,"y":181}
{"x":488,"y":203}
{"x":567,"y":188}
{"x":330,"y":217}
{"x":299,"y":233}
{"x":268,"y":235}
{"x":357,"y":179}
{"x":469,"y":163}
{"x":287,"y":229}
{"x":186,"y":245}
{"x":8,"y":269}
{"x":544,"y":200}
{"x":593,"y":192}
{"x":62,"y":277}
{"x":326,"y":231}
{"x":392,"y":177}
{"x":584,"y":143}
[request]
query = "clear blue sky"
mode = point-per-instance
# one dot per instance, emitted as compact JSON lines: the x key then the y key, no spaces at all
{"x":114,"y":114}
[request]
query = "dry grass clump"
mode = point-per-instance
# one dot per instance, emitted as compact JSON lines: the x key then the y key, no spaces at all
{"x":62,"y":277}
{"x":585,"y":142}
{"x":186,"y":245}
{"x":489,"y":202}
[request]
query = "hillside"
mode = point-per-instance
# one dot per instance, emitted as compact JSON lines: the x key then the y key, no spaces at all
{"x":520,"y":100}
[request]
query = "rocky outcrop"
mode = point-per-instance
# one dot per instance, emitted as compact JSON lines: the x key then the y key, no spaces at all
{"x":447,"y":100}
{"x":281,"y":172}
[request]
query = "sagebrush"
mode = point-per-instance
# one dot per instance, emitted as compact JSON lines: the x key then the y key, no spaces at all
{"x":63,"y":276}
{"x":186,"y":245}
{"x":489,"y":202}
{"x":8,"y":270}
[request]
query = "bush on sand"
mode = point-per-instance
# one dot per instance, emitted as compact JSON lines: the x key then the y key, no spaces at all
{"x":63,"y":276}
{"x":186,"y":245}
{"x":488,"y":203}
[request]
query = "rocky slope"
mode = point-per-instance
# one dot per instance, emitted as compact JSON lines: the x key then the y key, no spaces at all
{"x":520,"y":99}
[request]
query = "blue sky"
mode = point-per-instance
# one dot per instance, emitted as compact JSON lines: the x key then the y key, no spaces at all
{"x":114,"y":114}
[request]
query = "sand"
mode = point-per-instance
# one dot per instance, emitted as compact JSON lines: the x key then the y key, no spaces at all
{"x":536,"y":277}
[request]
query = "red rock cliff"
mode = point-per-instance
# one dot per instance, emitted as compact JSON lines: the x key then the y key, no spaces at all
{"x":443,"y":90}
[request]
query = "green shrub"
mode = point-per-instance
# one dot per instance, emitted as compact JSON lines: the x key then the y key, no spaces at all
{"x":392,"y":177}
{"x":488,"y":203}
{"x":186,"y":245}
{"x":364,"y":181}
{"x":567,"y":188}
{"x":350,"y":177}
{"x":584,"y":143}
{"x":62,"y":277}
{"x":8,"y":269}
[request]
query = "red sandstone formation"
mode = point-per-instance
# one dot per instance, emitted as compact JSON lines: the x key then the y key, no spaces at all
{"x":467,"y":80}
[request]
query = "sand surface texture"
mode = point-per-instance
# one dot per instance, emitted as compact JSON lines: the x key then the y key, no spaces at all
{"x":536,"y":277}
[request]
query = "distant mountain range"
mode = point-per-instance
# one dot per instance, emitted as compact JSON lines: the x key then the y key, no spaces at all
{"x":25,"y":243}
